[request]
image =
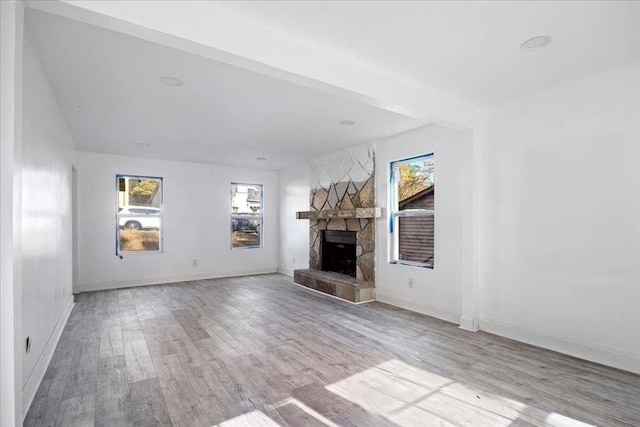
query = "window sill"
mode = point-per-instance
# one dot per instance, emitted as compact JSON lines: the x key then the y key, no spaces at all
{"x":412,"y":264}
{"x":136,"y":253}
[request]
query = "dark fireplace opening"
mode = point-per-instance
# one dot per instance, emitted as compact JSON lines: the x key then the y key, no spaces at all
{"x":339,"y":252}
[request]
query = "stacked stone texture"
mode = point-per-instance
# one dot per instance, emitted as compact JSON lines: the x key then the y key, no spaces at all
{"x":344,"y":194}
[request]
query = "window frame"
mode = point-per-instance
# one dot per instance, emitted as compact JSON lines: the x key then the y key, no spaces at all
{"x":395,"y":214}
{"x":236,"y":215}
{"x":160,"y":249}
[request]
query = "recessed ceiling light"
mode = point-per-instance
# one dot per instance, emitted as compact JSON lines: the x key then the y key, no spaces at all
{"x":171,"y":81}
{"x":143,"y":144}
{"x":536,"y":43}
{"x":261,"y":159}
{"x":347,"y":122}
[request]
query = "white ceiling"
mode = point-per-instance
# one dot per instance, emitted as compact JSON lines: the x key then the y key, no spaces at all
{"x":471,"y":49}
{"x":109,"y":89}
{"x":108,"y":83}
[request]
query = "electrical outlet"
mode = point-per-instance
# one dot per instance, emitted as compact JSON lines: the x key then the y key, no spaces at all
{"x":411,"y":283}
{"x":195,"y":262}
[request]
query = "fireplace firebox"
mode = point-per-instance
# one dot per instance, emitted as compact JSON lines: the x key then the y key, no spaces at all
{"x":339,"y":252}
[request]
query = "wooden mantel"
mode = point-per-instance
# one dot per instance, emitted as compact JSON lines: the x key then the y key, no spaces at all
{"x":341,"y":213}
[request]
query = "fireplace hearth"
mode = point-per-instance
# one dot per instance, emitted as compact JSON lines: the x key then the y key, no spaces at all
{"x":339,"y":252}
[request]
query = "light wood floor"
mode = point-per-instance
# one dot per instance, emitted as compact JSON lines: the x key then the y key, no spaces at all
{"x":261,"y":351}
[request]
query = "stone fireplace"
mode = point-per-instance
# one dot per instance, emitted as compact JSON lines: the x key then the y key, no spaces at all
{"x":342,"y":226}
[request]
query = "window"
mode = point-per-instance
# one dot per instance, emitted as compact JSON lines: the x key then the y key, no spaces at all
{"x":246,"y":215}
{"x":412,"y":205}
{"x":139,"y":217}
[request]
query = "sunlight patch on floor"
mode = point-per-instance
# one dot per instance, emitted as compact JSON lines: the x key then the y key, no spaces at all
{"x":410,"y":396}
{"x":557,"y":420}
{"x":250,"y":419}
{"x":307,"y":410}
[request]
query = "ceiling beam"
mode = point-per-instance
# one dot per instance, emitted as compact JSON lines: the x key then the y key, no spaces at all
{"x":212,"y":30}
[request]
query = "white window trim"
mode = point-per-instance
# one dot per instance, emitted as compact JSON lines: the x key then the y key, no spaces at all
{"x":244,"y":215}
{"x":395,"y":215}
{"x":160,"y":249}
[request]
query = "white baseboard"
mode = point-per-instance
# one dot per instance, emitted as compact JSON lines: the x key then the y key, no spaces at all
{"x":586,"y":350}
{"x":286,"y":271}
{"x":33,"y":382}
{"x":419,"y":307}
{"x":128,"y":283}
{"x":470,"y":323}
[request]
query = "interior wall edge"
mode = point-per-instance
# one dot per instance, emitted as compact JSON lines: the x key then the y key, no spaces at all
{"x":163,"y":280}
{"x":418,"y":307}
{"x":470,"y":323}
{"x":37,"y":375}
{"x":11,"y":45}
{"x":593,"y":352}
{"x":285,"y":271}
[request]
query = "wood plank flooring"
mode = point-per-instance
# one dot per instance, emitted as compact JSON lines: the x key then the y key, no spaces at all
{"x":259,"y":350}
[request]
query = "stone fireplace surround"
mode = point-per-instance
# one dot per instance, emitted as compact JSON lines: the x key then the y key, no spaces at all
{"x":342,"y":199}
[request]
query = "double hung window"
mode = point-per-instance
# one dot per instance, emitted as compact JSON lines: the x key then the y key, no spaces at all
{"x":412,"y":207}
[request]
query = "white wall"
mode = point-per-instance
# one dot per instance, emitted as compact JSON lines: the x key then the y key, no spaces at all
{"x":294,"y":233}
{"x":46,"y":251}
{"x":197,"y":207}
{"x":562,"y":228}
{"x":11,"y":29}
{"x":436,"y":291}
